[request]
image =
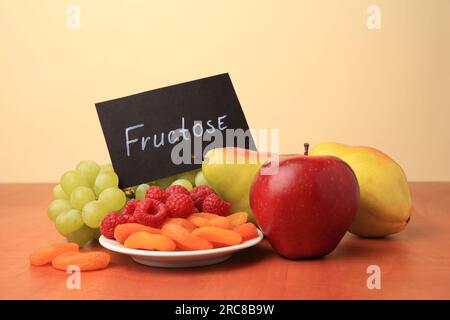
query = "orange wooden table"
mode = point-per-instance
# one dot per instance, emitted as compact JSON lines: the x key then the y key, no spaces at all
{"x":414,"y":264}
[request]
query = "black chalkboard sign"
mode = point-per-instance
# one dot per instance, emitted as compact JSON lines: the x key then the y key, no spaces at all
{"x":163,"y":132}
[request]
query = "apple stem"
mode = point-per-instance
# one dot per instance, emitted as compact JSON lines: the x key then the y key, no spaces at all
{"x":306,"y":145}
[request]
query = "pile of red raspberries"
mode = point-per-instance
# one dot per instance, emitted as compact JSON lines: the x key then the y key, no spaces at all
{"x":159,"y":204}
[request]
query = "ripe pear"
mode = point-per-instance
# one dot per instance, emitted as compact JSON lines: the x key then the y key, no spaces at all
{"x":230,"y":172}
{"x":385,"y":200}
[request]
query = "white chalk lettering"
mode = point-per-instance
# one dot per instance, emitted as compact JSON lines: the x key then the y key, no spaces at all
{"x":127,"y":137}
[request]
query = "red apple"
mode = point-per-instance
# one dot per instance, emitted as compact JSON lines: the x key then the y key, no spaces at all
{"x":305,"y":209}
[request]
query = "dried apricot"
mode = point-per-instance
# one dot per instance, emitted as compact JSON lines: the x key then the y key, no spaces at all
{"x":149,"y":241}
{"x":219,"y":235}
{"x":182,"y":222}
{"x":123,"y":231}
{"x":220,"y":222}
{"x":202,"y":219}
{"x":218,"y":245}
{"x":237,"y":218}
{"x":205,"y":215}
{"x":86,"y":261}
{"x":45,"y":255}
{"x":247,"y":231}
{"x":184,"y":239}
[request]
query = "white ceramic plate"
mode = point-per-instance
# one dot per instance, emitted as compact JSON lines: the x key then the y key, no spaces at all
{"x":179,"y":259}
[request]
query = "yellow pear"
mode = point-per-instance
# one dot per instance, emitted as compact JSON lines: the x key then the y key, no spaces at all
{"x":385,"y":200}
{"x":230,"y":172}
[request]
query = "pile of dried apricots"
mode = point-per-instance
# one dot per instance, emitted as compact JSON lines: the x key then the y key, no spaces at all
{"x":199,"y":231}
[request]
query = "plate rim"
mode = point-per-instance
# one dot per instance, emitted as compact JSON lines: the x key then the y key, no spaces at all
{"x":115,"y":246}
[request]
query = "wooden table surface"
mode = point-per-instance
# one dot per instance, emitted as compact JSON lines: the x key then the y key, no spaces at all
{"x":415,"y":264}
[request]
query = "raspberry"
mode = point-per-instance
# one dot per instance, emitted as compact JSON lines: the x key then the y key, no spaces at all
{"x":214,"y":204}
{"x":127,"y":218}
{"x":130,"y":207}
{"x":180,"y":205}
{"x":198,"y":194}
{"x":177,"y":189}
{"x":150,"y":212}
{"x":156,"y":193}
{"x":109,"y":223}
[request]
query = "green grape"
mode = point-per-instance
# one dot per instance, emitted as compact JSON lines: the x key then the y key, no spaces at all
{"x":200,"y":180}
{"x":188,"y":175}
{"x":69,"y":221}
{"x":82,"y":236}
{"x":113,"y":198}
{"x":183,"y":182}
{"x":140,"y":191}
{"x":105,"y":180}
{"x":80,"y":196}
{"x":58,"y":193}
{"x":89,"y":169}
{"x":107,"y":168}
{"x":164,"y":182}
{"x":72,"y":179}
{"x":57,"y":207}
{"x":93,"y":213}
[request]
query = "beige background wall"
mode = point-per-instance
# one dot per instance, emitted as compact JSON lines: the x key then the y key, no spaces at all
{"x":310,"y":68}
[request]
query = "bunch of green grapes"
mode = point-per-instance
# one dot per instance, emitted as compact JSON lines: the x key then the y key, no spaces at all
{"x":83,"y":197}
{"x":189,"y":179}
